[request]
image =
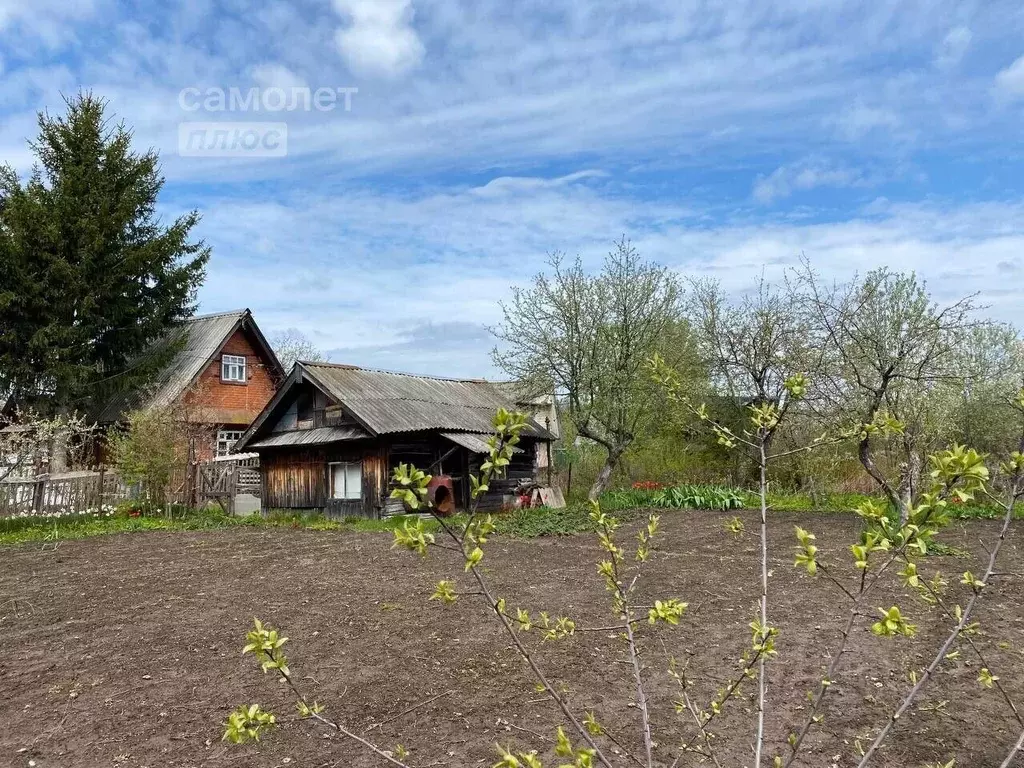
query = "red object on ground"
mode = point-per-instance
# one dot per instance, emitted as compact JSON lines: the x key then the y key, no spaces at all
{"x":441,"y":493}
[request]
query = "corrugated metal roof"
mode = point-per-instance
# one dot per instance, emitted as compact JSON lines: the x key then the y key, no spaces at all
{"x":475,"y":443}
{"x":200,"y":338}
{"x":316,"y":436}
{"x":541,"y":405}
{"x":396,"y":402}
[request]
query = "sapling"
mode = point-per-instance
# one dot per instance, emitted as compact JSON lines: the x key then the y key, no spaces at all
{"x":583,"y":740}
{"x":467,"y":541}
{"x":766,"y":416}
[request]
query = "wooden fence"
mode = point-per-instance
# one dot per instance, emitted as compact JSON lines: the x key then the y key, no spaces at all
{"x":69,"y":492}
{"x":221,"y":481}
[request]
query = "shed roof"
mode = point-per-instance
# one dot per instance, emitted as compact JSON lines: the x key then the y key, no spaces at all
{"x":388,"y":402}
{"x":317,"y":436}
{"x":383,"y":402}
{"x":198,"y":340}
{"x":473,"y":442}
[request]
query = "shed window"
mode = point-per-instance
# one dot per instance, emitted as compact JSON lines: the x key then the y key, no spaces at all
{"x":347,"y":480}
{"x":232,"y":368}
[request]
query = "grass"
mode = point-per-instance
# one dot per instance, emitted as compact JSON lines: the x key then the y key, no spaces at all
{"x":525,"y":523}
{"x":28,"y":529}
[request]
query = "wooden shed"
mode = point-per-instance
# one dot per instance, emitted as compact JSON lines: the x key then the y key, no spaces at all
{"x":333,"y":434}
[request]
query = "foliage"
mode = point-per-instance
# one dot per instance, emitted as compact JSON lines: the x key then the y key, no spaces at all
{"x":544,"y":521}
{"x":889,"y":349}
{"x":84,"y":524}
{"x":587,"y":337}
{"x":91,"y":276}
{"x":147,"y":451}
{"x":676,"y":497}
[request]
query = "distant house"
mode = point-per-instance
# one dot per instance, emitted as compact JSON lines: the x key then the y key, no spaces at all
{"x":220,"y":376}
{"x":332,"y":435}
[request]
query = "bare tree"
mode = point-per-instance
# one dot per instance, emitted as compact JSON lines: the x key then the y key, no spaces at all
{"x":890,"y":349}
{"x":291,"y":345}
{"x":26,"y":443}
{"x":590,"y":337}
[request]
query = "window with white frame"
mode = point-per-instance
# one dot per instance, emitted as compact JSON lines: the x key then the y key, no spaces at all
{"x":226,"y":439}
{"x":232,"y":368}
{"x":347,"y":480}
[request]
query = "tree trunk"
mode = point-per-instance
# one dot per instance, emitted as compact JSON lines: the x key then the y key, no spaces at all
{"x":59,"y":443}
{"x":604,"y":477}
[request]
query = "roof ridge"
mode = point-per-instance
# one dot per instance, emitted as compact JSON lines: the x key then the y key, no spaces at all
{"x":212,"y":315}
{"x":349,"y":367}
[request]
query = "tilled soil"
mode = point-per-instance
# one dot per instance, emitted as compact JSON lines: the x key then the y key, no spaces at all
{"x":125,"y":650}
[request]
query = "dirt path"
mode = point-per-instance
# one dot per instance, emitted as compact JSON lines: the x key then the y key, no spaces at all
{"x":124,"y":650}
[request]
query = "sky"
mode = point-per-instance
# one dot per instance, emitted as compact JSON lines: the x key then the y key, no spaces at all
{"x":725,"y":139}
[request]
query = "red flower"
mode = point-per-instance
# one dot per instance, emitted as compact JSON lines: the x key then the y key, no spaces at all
{"x":647,"y":485}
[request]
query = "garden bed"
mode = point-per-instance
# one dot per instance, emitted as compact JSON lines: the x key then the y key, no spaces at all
{"x":125,"y":650}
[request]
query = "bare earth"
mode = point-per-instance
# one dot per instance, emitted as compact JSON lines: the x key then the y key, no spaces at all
{"x":125,"y":650}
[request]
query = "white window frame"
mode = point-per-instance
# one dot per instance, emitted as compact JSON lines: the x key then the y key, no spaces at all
{"x":233,"y":368}
{"x":347,"y":494}
{"x":226,"y":439}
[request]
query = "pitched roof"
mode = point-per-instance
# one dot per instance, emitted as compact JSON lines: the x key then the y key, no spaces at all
{"x":317,"y":436}
{"x":200,"y":339}
{"x":396,"y":402}
{"x":383,"y":402}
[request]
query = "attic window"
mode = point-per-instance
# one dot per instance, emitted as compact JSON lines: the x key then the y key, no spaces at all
{"x":232,"y":368}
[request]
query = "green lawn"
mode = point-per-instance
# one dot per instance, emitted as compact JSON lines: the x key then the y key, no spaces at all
{"x":527,"y":523}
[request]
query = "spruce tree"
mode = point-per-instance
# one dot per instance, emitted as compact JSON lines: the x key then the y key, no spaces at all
{"x":89,"y":275}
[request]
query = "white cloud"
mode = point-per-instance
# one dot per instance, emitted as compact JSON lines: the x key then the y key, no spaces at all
{"x":44,"y":21}
{"x":954,"y":46}
{"x":787,"y":179}
{"x":349,"y":269}
{"x":1010,"y":81}
{"x":276,"y":76}
{"x":858,"y":120}
{"x":379,"y":39}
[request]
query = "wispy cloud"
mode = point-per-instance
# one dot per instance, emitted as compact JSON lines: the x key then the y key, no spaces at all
{"x":389,"y":265}
{"x":806,"y":175}
{"x":724,"y":137}
{"x":1010,"y":81}
{"x":953,"y":48}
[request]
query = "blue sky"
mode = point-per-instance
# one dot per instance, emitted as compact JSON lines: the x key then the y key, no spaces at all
{"x":724,"y":138}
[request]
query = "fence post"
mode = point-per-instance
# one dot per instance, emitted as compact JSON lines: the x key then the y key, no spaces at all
{"x":39,"y":494}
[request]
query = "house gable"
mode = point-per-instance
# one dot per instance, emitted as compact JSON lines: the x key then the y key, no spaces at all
{"x":303,"y":405}
{"x":216,"y":399}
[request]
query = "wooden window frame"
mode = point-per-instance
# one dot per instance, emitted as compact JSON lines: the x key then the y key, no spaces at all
{"x":231,"y":363}
{"x":331,"y":469}
{"x":221,"y":439}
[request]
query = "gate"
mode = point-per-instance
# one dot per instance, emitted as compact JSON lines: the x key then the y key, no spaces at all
{"x":231,"y":481}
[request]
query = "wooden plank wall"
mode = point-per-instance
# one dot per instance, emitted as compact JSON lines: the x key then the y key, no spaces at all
{"x":297,"y":478}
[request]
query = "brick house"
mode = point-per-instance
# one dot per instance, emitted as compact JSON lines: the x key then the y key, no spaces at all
{"x":220,"y":377}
